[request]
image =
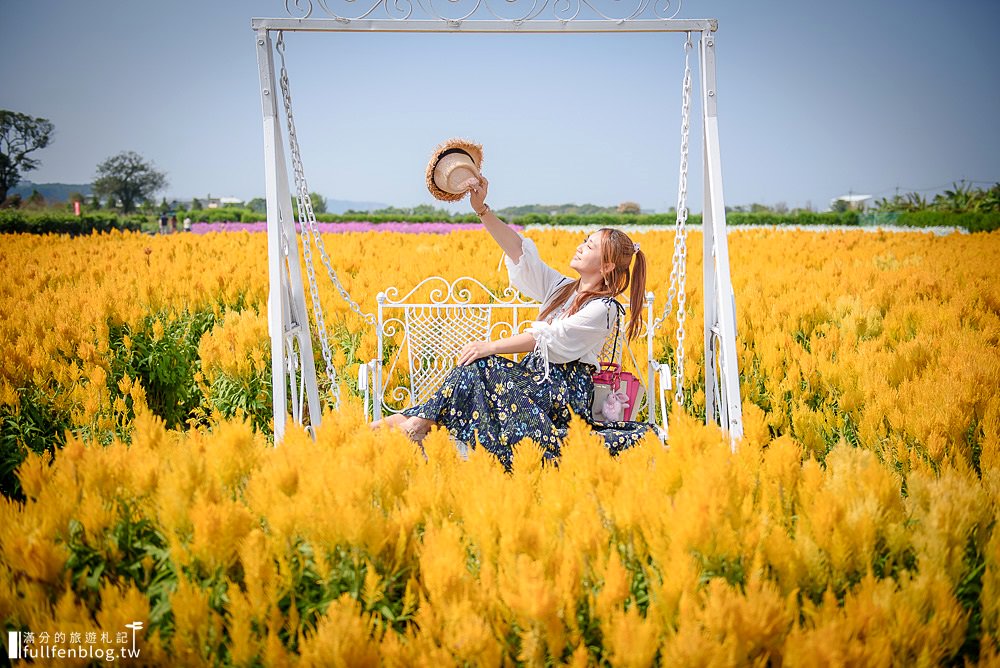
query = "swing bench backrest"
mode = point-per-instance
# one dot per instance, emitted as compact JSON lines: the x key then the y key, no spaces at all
{"x":420,"y":334}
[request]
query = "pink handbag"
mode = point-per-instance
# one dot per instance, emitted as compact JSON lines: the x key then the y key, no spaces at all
{"x":617,"y":393}
{"x":611,"y":381}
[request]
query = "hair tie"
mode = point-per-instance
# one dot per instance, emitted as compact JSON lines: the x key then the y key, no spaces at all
{"x":635,"y":249}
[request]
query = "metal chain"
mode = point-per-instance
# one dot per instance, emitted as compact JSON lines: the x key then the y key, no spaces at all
{"x":678,"y":271}
{"x":307,"y":223}
{"x":302,"y":192}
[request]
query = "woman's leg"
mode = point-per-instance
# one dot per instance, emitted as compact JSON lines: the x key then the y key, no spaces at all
{"x":416,"y":427}
{"x":393,"y":420}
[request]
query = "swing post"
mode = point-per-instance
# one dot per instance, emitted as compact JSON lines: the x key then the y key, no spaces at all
{"x":288,"y":323}
{"x":720,"y":307}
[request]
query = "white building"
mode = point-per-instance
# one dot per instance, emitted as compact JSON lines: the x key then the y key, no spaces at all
{"x":854,"y":202}
{"x":220,"y":202}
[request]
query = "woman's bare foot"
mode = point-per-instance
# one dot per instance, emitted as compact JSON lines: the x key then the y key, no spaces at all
{"x":416,"y":428}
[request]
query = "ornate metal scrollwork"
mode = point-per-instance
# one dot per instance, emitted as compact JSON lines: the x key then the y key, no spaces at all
{"x":515,"y":11}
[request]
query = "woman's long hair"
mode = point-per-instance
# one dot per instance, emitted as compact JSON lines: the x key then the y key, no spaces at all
{"x":617,"y":251}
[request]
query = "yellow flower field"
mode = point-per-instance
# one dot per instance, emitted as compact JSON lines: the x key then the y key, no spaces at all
{"x":856,"y":525}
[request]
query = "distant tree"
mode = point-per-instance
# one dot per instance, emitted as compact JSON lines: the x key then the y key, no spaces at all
{"x":164,"y":207}
{"x":629,"y":207}
{"x":759,"y":208}
{"x":961,"y":197}
{"x":840,"y":205}
{"x":12,"y":202}
{"x":196,"y":204}
{"x":257,"y":205}
{"x":990,"y":200}
{"x":35,"y":200}
{"x":781,"y":207}
{"x":95,"y":202}
{"x":318,"y":203}
{"x":20,"y":135}
{"x":129,"y":178}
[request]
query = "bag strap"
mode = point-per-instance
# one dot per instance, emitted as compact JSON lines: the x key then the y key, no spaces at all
{"x":620,"y":311}
{"x":618,"y":326}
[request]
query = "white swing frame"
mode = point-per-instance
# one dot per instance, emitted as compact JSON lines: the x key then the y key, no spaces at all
{"x":292,"y":357}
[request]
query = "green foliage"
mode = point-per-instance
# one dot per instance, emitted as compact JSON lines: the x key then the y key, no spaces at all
{"x":131,"y":551}
{"x":64,"y":222}
{"x":34,"y":426}
{"x":973,"y":221}
{"x":960,"y":198}
{"x":317,"y":202}
{"x":550,"y":209}
{"x":162,"y":352}
{"x":20,"y":135}
{"x":35,"y":200}
{"x":227,"y":214}
{"x":247,"y":396}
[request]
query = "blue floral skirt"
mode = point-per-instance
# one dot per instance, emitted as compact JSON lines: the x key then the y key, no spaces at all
{"x":497,"y":402}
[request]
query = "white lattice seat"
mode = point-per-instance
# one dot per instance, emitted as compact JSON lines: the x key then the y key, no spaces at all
{"x":420,"y":335}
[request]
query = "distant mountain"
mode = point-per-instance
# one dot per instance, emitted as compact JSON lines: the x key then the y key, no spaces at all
{"x":52,"y":192}
{"x":343,"y":205}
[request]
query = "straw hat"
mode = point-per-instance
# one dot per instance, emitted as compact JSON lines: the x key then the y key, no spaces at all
{"x":451,"y":164}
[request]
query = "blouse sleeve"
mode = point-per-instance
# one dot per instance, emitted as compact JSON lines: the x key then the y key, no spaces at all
{"x":531,"y":275}
{"x":571,"y":338}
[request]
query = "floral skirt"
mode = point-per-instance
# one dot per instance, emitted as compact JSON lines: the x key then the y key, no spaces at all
{"x":497,"y":402}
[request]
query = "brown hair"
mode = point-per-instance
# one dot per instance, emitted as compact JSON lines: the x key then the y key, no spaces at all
{"x":617,"y":251}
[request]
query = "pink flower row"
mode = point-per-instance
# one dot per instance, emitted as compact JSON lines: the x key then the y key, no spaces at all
{"x":359,"y":226}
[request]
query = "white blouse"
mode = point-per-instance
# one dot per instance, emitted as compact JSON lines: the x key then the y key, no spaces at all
{"x":579,"y":336}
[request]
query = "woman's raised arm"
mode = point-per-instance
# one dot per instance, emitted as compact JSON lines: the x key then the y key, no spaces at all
{"x":508,"y":239}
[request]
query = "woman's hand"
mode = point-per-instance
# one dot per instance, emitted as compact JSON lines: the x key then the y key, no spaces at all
{"x":477,"y":192}
{"x":473,"y":351}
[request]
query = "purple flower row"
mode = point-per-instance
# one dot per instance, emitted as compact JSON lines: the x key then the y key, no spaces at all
{"x":359,"y":226}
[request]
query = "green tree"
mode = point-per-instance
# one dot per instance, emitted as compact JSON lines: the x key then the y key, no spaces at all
{"x":20,"y":135}
{"x":195,"y":204}
{"x":961,"y":197}
{"x":990,"y":200}
{"x":629,"y":207}
{"x":257,"y":205}
{"x":318,"y":203}
{"x":840,"y":205}
{"x":128,"y":177}
{"x":36,"y":200}
{"x":95,"y":202}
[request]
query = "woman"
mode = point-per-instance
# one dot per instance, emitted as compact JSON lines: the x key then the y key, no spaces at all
{"x":498,"y":402}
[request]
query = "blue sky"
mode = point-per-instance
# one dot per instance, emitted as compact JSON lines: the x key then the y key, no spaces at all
{"x":816,"y":99}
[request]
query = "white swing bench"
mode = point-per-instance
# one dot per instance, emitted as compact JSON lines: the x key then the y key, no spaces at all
{"x":420,"y":334}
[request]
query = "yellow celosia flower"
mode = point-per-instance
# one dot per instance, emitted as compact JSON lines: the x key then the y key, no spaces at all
{"x":850,"y":528}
